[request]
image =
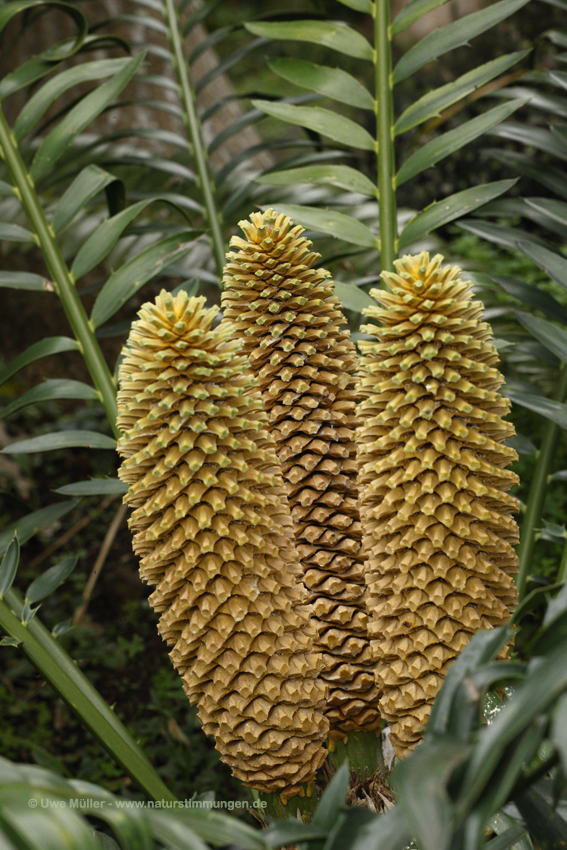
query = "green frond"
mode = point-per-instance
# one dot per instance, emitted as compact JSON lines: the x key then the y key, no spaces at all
{"x":374,"y":153}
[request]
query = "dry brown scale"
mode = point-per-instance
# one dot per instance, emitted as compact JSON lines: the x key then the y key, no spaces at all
{"x":212,"y":528}
{"x":437,"y":518}
{"x":295,"y":337}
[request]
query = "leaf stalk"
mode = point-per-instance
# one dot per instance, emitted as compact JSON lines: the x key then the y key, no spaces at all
{"x":537,"y":490}
{"x":60,"y":274}
{"x":193,"y":126}
{"x":75,"y":689}
{"x":385,"y":134}
{"x":35,"y":640}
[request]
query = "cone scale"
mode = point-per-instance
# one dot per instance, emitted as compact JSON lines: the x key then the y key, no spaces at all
{"x":294,"y":335}
{"x":437,"y":518}
{"x":212,"y":528}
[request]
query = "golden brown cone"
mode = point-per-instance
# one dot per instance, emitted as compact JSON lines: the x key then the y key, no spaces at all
{"x":437,"y":518}
{"x":212,"y":528}
{"x":295,"y":337}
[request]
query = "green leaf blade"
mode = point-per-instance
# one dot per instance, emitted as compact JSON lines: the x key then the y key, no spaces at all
{"x":341,"y":176}
{"x":553,"y":337}
{"x":542,"y":686}
{"x":442,"y":146}
{"x":412,"y":12}
{"x":61,"y":440}
{"x":543,"y":820}
{"x":29,"y":525}
{"x":333,"y":799}
{"x":546,"y":175}
{"x":528,"y":294}
{"x":556,"y":210}
{"x":215,"y":828}
{"x":9,"y":566}
{"x":322,"y":121}
{"x":537,"y":137}
{"x":9,"y":10}
{"x":500,"y":234}
{"x":29,"y":72}
{"x":57,"y":388}
{"x":330,"y":82}
{"x":127,"y":280}
{"x":434,"y":102}
{"x":44,"y":348}
{"x":58,"y":140}
{"x":94,"y":487}
{"x":15,"y":233}
{"x":333,"y":223}
{"x":86,"y":185}
{"x":39,"y":103}
{"x":9,"y":641}
{"x":559,"y":730}
{"x":553,"y":410}
{"x":102,"y":241}
{"x":480,"y":650}
{"x":429,"y":810}
{"x":442,"y":212}
{"x":509,"y":833}
{"x":25,"y":281}
{"x":334,"y":34}
{"x":550,"y":261}
{"x":172,"y":832}
{"x":358,"y":5}
{"x":50,"y":580}
{"x":352,"y":297}
{"x":455,"y":34}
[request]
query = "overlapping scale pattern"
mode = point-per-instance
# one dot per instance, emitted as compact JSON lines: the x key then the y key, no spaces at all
{"x":438,"y":520}
{"x":299,"y":349}
{"x":212,"y":528}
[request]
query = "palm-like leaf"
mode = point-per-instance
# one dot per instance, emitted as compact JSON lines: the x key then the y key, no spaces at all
{"x":342,"y":87}
{"x":541,"y":230}
{"x":177,"y":148}
{"x":171,"y":151}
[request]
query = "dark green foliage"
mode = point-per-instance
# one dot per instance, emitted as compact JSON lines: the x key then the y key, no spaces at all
{"x":122,"y":655}
{"x":448,"y":790}
{"x":536,"y":227}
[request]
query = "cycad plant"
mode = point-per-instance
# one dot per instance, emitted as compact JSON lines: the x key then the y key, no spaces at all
{"x":249,"y":515}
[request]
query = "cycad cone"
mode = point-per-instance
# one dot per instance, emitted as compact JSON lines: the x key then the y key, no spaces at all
{"x":438,"y":526}
{"x":213,"y":531}
{"x":294,"y":334}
